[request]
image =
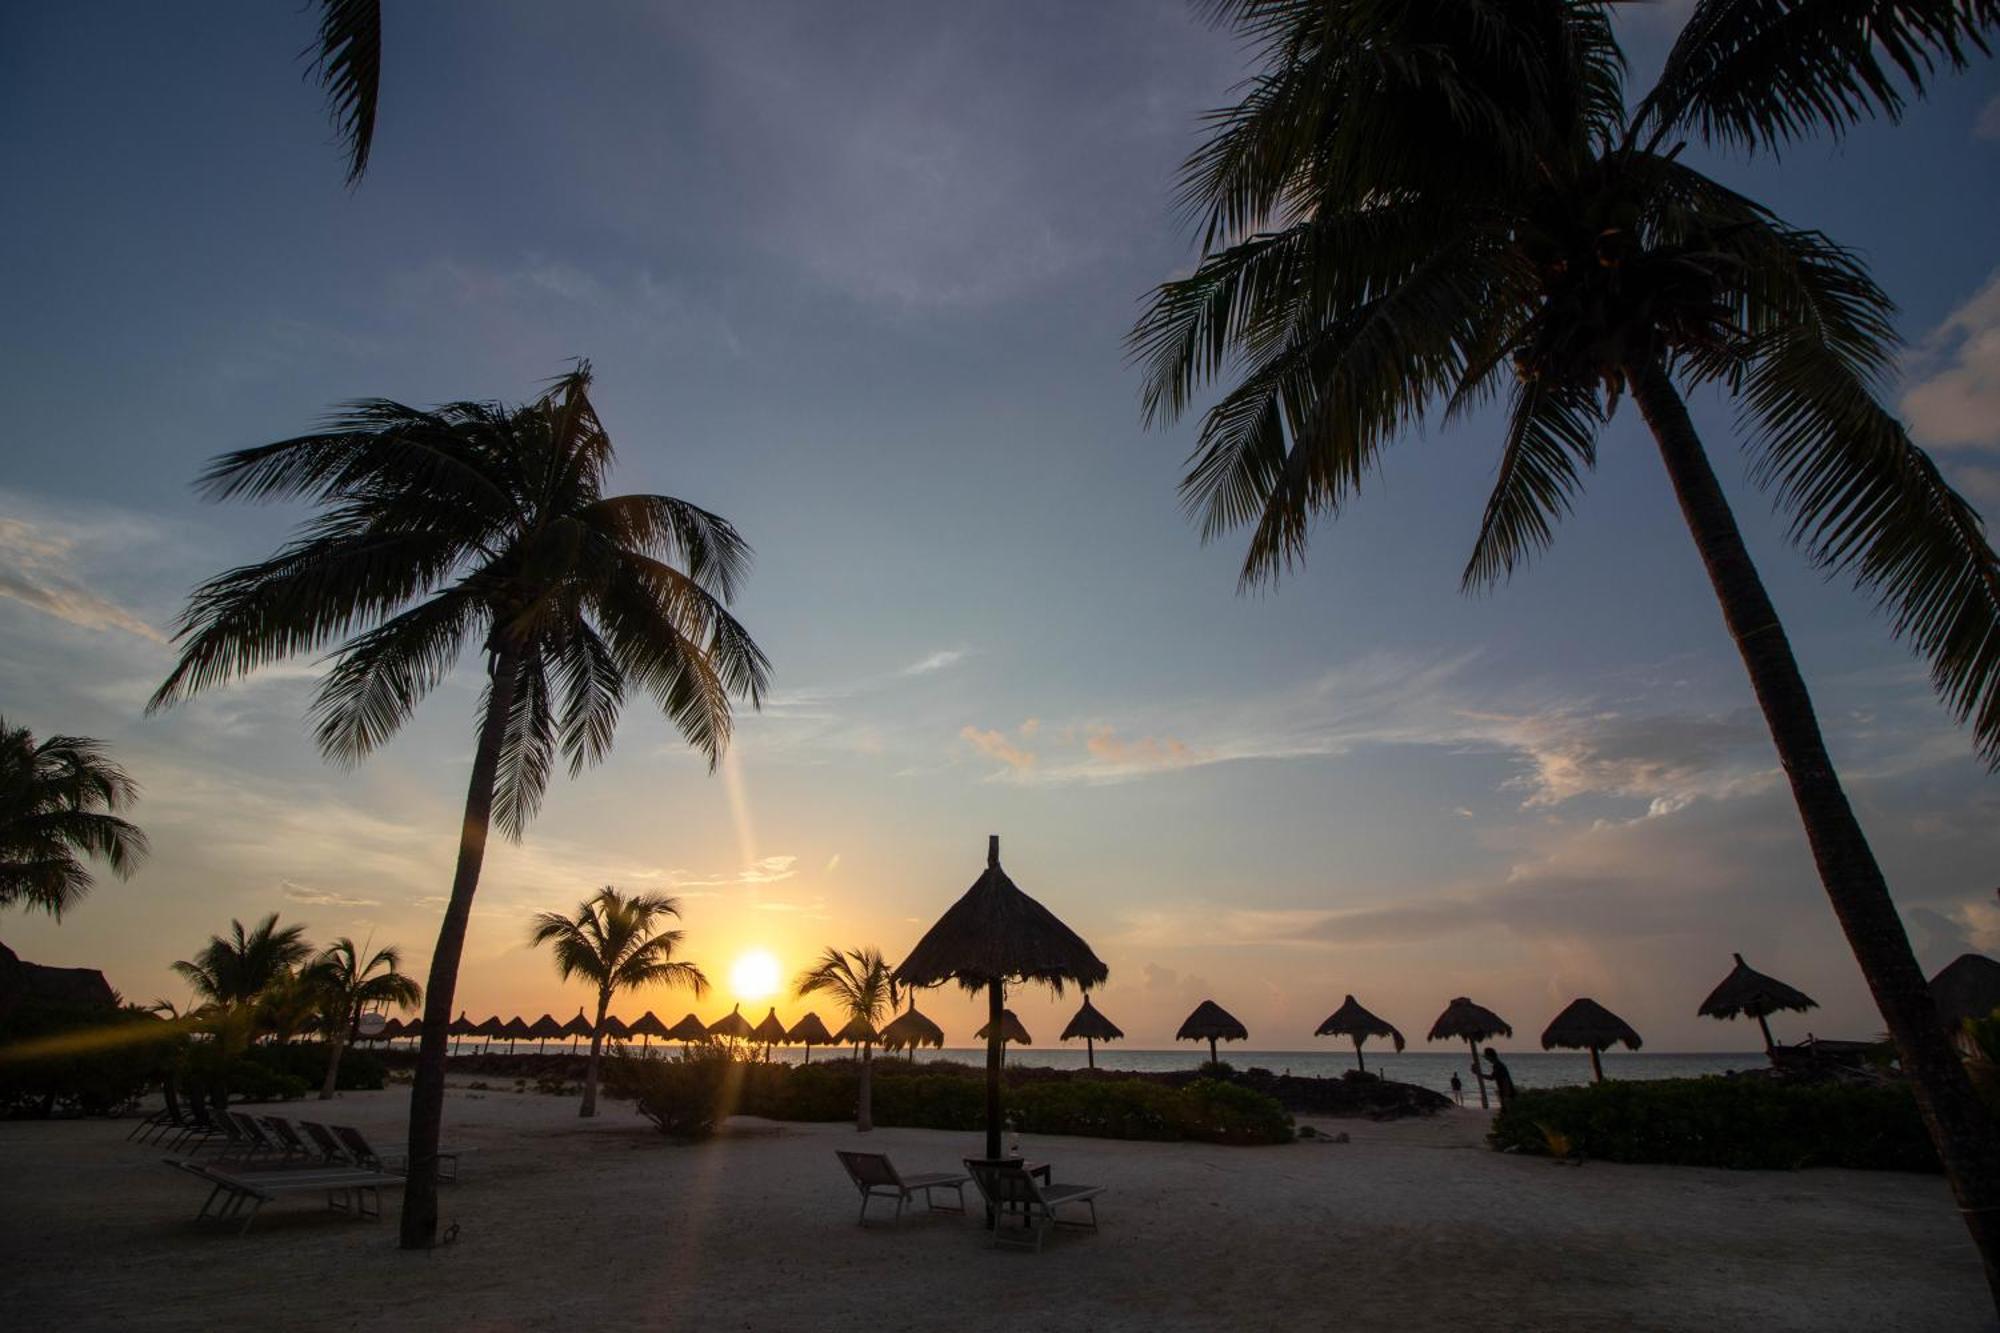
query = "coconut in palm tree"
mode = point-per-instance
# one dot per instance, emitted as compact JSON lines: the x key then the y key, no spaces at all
{"x":615,"y":943}
{"x":1420,"y":208}
{"x":348,"y":986}
{"x":486,"y":526}
{"x":59,"y":808}
{"x":858,"y":982}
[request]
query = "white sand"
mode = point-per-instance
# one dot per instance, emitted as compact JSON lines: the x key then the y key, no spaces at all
{"x":568,"y":1224}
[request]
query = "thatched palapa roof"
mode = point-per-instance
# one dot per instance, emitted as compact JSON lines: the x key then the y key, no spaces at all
{"x":1463,"y":1018}
{"x":1211,"y":1022}
{"x":391,"y":1029}
{"x":809,"y":1031}
{"x":462,"y":1026}
{"x":577,"y":1027}
{"x":911,"y":1029}
{"x":770,"y":1032}
{"x":732,"y":1024}
{"x":1746,"y":991}
{"x":1351,"y":1020}
{"x":688,"y":1029}
{"x":1966,"y":987}
{"x":1010,"y":1030}
{"x":614,"y":1026}
{"x":545,"y":1027}
{"x":995,"y":932}
{"x":1092,"y":1024}
{"x":649,"y":1025}
{"x":516,"y":1029}
{"x":858,"y":1029}
{"x":492,"y":1027}
{"x":1587,"y":1025}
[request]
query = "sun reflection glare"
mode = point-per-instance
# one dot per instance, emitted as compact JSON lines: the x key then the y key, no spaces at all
{"x":754,"y":976}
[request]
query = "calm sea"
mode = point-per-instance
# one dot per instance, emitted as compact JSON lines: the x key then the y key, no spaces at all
{"x":1427,"y":1069}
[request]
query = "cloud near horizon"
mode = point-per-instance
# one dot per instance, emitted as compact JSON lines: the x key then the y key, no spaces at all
{"x":1954,"y":402}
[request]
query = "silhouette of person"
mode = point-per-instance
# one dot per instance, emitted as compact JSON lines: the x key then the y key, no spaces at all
{"x":1457,"y":1088}
{"x":1503,"y":1082}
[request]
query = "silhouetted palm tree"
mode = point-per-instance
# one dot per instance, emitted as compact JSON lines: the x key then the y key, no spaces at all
{"x":475,"y":523}
{"x":1422,"y":206}
{"x":238,"y":970}
{"x":59,"y":804}
{"x":346,"y":986}
{"x":858,"y":981}
{"x":614,"y":943}
{"x":347,"y":61}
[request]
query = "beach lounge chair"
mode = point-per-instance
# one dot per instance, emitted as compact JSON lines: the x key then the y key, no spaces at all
{"x":361,"y":1153}
{"x":287,"y":1137}
{"x":876,"y":1178}
{"x":257,"y":1141}
{"x":328,"y":1147}
{"x":1010,"y":1191}
{"x":196,"y":1128}
{"x":233,"y":1190}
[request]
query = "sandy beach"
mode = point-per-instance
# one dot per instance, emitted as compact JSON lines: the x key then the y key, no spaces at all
{"x":567,"y":1224}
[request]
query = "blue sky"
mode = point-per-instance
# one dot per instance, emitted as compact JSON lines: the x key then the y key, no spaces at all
{"x":857,"y":277}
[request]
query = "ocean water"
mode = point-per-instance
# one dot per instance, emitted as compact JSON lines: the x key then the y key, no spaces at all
{"x":1427,"y":1069}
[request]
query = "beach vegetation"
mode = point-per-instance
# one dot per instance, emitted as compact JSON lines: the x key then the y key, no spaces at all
{"x":1420,"y":210}
{"x":486,"y":526}
{"x":858,"y":981}
{"x":346,"y":985}
{"x":61,"y":800}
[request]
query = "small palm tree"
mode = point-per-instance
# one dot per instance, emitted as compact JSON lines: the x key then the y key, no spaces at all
{"x":346,"y":986}
{"x":858,"y":981}
{"x":480,"y":525}
{"x":614,"y":942}
{"x":235,"y":972}
{"x":1422,"y":207}
{"x":59,"y":804}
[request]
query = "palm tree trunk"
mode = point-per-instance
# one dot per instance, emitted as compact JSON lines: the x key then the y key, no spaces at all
{"x":1769,"y":1045}
{"x":864,"y":1105}
{"x":420,"y":1212}
{"x":1960,"y":1126}
{"x":1478,"y":1074}
{"x":336,"y":1043}
{"x":994,"y":1007}
{"x":589,"y":1107}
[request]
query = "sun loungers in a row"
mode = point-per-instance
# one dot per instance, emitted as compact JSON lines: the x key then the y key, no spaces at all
{"x":1010,"y":1188}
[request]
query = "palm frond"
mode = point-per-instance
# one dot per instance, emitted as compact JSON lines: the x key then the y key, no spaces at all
{"x":1551,"y":442}
{"x":347,"y":61}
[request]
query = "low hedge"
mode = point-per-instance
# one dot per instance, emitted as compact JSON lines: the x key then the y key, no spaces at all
{"x":305,"y":1061}
{"x":61,"y":1060}
{"x":1739,"y":1123}
{"x":687,"y":1098}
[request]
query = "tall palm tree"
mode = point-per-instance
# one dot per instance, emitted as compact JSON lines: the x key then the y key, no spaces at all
{"x":615,"y":943}
{"x":475,"y":523}
{"x":1419,"y":207}
{"x":346,"y":986}
{"x":235,"y":971}
{"x":59,"y":804}
{"x":859,"y":981}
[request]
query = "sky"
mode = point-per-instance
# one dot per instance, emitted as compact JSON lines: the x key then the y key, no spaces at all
{"x":857,"y":277}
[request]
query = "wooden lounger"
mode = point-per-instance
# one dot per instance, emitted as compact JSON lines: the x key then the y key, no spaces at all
{"x":241,"y":1193}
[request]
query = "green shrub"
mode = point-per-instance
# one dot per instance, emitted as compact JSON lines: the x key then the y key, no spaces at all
{"x":81,"y":1060}
{"x":360,"y":1070}
{"x":685,"y":1099}
{"x":1742,"y":1123}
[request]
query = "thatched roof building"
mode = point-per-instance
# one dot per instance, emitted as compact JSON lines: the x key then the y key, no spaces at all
{"x":1748,"y":992}
{"x":1211,"y":1023}
{"x":33,"y":986}
{"x":1357,"y":1024}
{"x":1966,"y":987}
{"x":1587,"y":1025}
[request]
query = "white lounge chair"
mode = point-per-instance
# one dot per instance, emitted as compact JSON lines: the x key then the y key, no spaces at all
{"x":233,"y":1190}
{"x":876,"y":1178}
{"x":1010,"y":1191}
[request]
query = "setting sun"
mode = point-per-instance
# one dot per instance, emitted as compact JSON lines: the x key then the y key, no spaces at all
{"x":754,"y":976}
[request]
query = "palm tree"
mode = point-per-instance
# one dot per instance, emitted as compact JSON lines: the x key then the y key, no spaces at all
{"x":347,"y":986}
{"x":858,"y":981}
{"x":614,"y":942}
{"x":59,"y":804}
{"x":347,"y":62}
{"x":236,"y":971}
{"x":1420,"y":206}
{"x":475,"y":523}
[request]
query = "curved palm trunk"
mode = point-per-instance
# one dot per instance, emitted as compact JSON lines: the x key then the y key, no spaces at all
{"x":1478,"y":1073}
{"x":864,"y":1106}
{"x":336,"y":1043}
{"x":1960,"y":1126}
{"x":419,"y":1222}
{"x":589,"y":1107}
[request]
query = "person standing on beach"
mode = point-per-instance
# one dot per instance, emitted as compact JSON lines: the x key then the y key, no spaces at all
{"x":1503,"y":1082}
{"x":1457,"y":1088}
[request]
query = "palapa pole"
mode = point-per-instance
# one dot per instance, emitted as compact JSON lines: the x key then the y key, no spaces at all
{"x":1764,"y":1023}
{"x":1360,"y":1061}
{"x":1596,"y":1068}
{"x":1478,"y":1074}
{"x":995,"y":1037}
{"x":1090,"y":1051}
{"x":1211,"y":1050}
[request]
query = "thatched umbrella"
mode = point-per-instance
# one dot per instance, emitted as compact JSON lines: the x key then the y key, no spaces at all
{"x":391,"y":1029}
{"x":992,"y":935}
{"x":460,"y":1027}
{"x":909,"y":1030}
{"x":1966,"y":987}
{"x":732,"y":1026}
{"x":1351,"y":1020}
{"x":688,"y":1031}
{"x":1748,"y":991}
{"x":770,"y":1032}
{"x":809,"y":1032}
{"x":577,"y":1027}
{"x":1093,"y":1027}
{"x":616,"y":1028}
{"x":1211,"y":1023}
{"x":648,"y":1027}
{"x":1463,"y":1018}
{"x":1012,"y":1033}
{"x":1588,"y":1026}
{"x":490,"y":1029}
{"x":516,"y":1029}
{"x":542,"y":1029}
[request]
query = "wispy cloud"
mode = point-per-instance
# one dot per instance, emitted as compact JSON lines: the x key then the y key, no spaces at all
{"x":305,"y":893}
{"x":39,"y":569}
{"x":1955,"y":399}
{"x":937,"y":661}
{"x":996,"y":745}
